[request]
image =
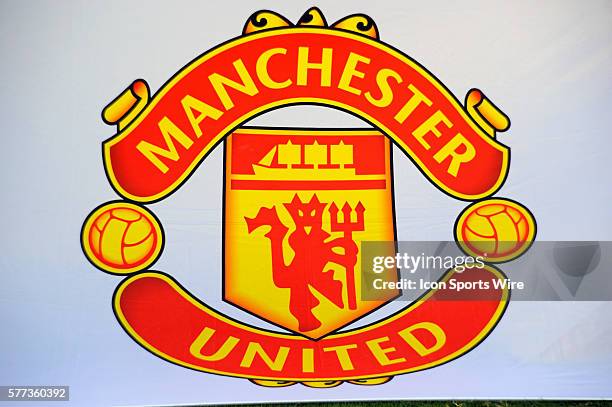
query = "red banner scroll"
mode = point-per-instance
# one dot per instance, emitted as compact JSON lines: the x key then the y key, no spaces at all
{"x":443,"y":325}
{"x":157,"y":148}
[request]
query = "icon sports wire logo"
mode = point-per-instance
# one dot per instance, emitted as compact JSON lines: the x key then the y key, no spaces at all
{"x":300,"y":202}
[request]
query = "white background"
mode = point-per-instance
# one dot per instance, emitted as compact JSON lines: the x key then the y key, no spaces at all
{"x":546,"y":64}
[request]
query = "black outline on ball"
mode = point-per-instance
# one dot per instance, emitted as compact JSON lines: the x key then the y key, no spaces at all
{"x":145,"y":209}
{"x":492,"y":263}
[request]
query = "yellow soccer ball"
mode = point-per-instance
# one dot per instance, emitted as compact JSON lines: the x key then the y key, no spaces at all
{"x":497,"y":229}
{"x":122,"y":238}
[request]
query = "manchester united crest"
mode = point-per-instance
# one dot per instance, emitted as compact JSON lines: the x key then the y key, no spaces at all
{"x":299,"y":203}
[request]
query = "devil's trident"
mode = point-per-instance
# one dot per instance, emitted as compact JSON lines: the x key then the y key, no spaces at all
{"x":348,"y":227}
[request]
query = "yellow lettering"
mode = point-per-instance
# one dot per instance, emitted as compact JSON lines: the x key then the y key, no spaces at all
{"x":429,"y":125}
{"x":219,"y":82}
{"x":343,"y":355}
{"x":262,"y":69}
{"x":380,"y":353}
{"x":415,"y":344}
{"x":255,"y":349}
{"x":451,"y":150}
{"x":196,"y":347}
{"x":307,"y":360}
{"x":415,"y":100}
{"x":169,"y":131}
{"x":386,"y":94}
{"x":304,"y":65}
{"x":204,"y":110}
{"x":350,"y":72}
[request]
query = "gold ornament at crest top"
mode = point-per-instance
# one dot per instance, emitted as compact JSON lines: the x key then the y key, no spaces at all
{"x":267,"y":20}
{"x":359,"y":23}
{"x":125,"y":107}
{"x":313,"y":18}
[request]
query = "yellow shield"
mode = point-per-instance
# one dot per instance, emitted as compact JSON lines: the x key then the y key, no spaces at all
{"x":298,"y":204}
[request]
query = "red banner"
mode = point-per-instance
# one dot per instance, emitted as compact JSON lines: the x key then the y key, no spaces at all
{"x":162,"y":145}
{"x":443,"y":325}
